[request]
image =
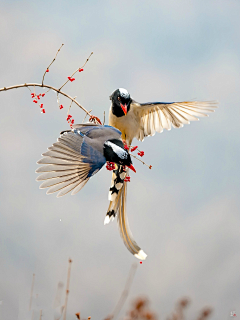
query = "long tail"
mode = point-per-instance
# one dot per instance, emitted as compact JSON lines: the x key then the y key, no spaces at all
{"x":118,"y":195}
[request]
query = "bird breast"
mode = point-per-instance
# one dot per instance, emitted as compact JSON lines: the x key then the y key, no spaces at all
{"x":127,"y":124}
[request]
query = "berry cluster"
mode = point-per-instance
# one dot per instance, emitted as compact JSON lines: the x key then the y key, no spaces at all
{"x":110,"y":166}
{"x":69,"y":120}
{"x":80,"y":70}
{"x":37,"y":97}
{"x":127,"y":179}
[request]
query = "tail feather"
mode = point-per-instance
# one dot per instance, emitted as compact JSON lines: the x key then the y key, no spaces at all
{"x":124,"y":229}
{"x":118,"y":206}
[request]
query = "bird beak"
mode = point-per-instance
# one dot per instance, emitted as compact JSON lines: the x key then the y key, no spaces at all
{"x":132,"y":167}
{"x":124,"y":108}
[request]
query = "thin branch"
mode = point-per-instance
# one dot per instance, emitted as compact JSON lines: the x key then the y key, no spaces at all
{"x":67,"y":289}
{"x":125,"y":292}
{"x":86,"y":116}
{"x":51,"y":62}
{"x":71,"y":105}
{"x":45,"y":86}
{"x":132,"y":155}
{"x":75,"y":72}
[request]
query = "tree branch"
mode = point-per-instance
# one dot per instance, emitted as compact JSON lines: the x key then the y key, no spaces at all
{"x":46,"y":86}
{"x":52,"y":62}
{"x":76,"y":71}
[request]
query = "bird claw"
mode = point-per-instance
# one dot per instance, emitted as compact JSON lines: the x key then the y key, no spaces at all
{"x":94,"y":118}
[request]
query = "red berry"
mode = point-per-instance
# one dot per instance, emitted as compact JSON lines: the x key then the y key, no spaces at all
{"x":33,"y":95}
{"x":35,"y":101}
{"x":150,"y":167}
{"x":61,"y":106}
{"x":80,"y":70}
{"x":72,"y":121}
{"x":43,"y":94}
{"x":134,"y":148}
{"x":41,"y":105}
{"x":69,"y":78}
{"x":140,"y":262}
{"x":43,"y":110}
{"x":126,"y":147}
{"x":141,"y":153}
{"x":47,"y":70}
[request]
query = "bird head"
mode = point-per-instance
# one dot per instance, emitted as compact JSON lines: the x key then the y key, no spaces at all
{"x":121,"y":101}
{"x":113,"y":151}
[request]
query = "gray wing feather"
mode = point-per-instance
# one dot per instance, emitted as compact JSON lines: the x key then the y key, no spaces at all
{"x":64,"y":169}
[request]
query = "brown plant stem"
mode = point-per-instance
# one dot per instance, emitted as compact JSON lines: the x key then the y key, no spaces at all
{"x":45,"y":86}
{"x":76,"y":71}
{"x":51,"y":62}
{"x":125,"y":292}
{"x":132,"y":155}
{"x":67,"y":289}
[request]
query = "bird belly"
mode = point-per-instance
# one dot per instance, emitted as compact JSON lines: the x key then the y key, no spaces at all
{"x":126,"y":124}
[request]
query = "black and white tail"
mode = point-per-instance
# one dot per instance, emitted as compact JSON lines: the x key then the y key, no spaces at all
{"x":117,"y":206}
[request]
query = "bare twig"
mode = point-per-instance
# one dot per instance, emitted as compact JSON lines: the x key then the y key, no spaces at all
{"x":45,"y":86}
{"x":132,"y":155}
{"x":67,"y":289}
{"x":71,"y":105}
{"x":51,"y":62}
{"x":75,"y":72}
{"x":86,"y":116}
{"x":125,"y":292}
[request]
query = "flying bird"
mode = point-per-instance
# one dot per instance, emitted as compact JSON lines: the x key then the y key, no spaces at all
{"x":78,"y":155}
{"x":139,"y":120}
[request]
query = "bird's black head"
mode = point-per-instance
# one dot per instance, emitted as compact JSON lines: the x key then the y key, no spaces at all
{"x":113,"y":151}
{"x":121,"y":101}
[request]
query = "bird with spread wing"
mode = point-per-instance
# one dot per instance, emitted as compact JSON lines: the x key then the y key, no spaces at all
{"x":139,"y":120}
{"x":79,"y":154}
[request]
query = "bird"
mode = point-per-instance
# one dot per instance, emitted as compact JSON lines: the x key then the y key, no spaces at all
{"x":80,"y":153}
{"x":140,"y":120}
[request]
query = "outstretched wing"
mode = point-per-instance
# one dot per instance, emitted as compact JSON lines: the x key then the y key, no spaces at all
{"x":69,"y":164}
{"x":156,"y":116}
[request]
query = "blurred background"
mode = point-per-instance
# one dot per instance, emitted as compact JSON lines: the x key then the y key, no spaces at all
{"x":184,"y":213}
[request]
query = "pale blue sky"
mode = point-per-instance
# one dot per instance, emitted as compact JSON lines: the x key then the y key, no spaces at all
{"x":184,"y":212}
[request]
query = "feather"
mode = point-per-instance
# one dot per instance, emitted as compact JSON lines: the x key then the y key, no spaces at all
{"x":65,"y":168}
{"x":124,"y":229}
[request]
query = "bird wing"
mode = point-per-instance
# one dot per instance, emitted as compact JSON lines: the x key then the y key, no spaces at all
{"x":93,"y":131}
{"x":68,"y":164}
{"x":156,"y":116}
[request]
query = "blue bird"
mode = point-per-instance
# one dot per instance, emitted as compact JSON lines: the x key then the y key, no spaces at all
{"x":78,"y":155}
